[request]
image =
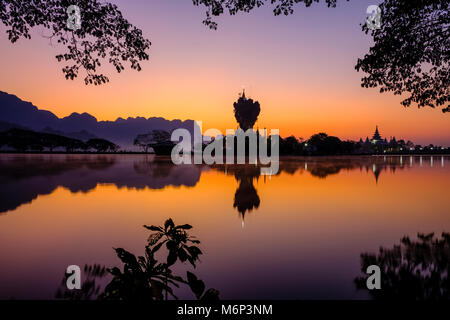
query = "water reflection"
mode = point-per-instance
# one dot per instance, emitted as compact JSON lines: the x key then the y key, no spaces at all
{"x":25,"y":177}
{"x":90,"y":288}
{"x":246,"y":197}
{"x":305,"y":226}
{"x":414,"y":269}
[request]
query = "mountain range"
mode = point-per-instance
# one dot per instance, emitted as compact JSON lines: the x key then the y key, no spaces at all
{"x":16,"y":113}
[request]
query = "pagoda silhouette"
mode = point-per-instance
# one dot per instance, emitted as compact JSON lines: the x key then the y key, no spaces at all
{"x":376,"y":136}
{"x":246,"y":112}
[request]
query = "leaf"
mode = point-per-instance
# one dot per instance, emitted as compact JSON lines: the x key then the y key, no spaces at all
{"x":168,"y":223}
{"x":154,"y":238}
{"x":210,"y":295}
{"x":184,"y":226}
{"x":197,"y":286}
{"x":157,"y":289}
{"x":194,"y":251}
{"x":171,"y":258}
{"x":125,"y":256}
{"x":182,"y":255}
{"x":153,"y":228}
{"x":114,"y":271}
{"x":141,"y":261}
{"x":157,"y":247}
{"x":171,"y":245}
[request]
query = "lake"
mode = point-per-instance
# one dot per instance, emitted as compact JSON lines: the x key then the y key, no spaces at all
{"x":295,"y":235}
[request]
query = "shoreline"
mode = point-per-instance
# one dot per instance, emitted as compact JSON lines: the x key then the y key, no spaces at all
{"x":443,"y":153}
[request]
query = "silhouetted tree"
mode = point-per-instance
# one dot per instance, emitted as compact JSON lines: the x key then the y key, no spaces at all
{"x":52,"y":143}
{"x":198,"y":288}
{"x":104,"y":34}
{"x":101,"y":145}
{"x":73,"y":144}
{"x":291,"y":146}
{"x":417,"y":270}
{"x":23,"y":140}
{"x":349,"y":147}
{"x":411,"y":52}
{"x":218,"y":7}
{"x":246,"y":112}
{"x":177,"y":240}
{"x":159,"y":140}
{"x":324,"y":144}
{"x":142,"y":141}
{"x":145,"y":278}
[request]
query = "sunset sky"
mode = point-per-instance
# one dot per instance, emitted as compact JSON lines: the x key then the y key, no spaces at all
{"x":300,"y":68}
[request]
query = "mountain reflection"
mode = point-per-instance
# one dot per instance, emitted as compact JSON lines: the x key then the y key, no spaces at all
{"x":414,"y":269}
{"x":25,"y":177}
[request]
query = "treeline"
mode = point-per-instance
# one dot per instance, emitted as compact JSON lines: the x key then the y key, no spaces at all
{"x":323,"y":144}
{"x":22,"y":140}
{"x":318,"y":144}
{"x":158,"y":140}
{"x":26,"y":140}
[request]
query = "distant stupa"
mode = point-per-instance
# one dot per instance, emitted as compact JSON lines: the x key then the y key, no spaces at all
{"x":376,"y":136}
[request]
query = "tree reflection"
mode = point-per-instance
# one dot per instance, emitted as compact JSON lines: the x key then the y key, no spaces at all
{"x":90,"y":288}
{"x":417,"y":270}
{"x":25,"y":177}
{"x":246,"y":198}
{"x":153,"y":166}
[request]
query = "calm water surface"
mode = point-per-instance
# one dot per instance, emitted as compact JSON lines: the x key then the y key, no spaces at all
{"x":295,"y":235}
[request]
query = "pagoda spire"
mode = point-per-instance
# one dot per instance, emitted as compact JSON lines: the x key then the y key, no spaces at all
{"x":376,"y":135}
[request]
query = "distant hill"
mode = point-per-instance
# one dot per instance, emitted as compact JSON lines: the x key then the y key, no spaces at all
{"x":82,"y":135}
{"x":5,"y":126}
{"x":16,"y":112}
